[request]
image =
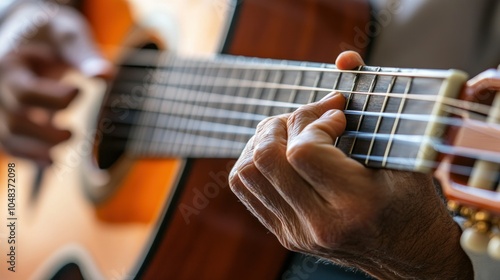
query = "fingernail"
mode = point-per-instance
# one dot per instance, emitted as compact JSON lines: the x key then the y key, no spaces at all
{"x":357,"y":59}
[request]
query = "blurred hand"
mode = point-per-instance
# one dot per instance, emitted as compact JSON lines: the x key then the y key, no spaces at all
{"x":320,"y":202}
{"x":37,"y":49}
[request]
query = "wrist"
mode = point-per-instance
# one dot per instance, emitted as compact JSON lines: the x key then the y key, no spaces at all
{"x":430,"y":251}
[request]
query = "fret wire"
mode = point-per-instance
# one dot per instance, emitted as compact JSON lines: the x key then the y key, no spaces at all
{"x":335,"y":88}
{"x":354,"y":84}
{"x":465,"y":105}
{"x":217,"y":127}
{"x":154,"y":92}
{"x":140,"y":131}
{"x":379,"y":119}
{"x":348,"y":101}
{"x":154,"y":147}
{"x":396,"y":122}
{"x":273,"y":91}
{"x":165,"y":105}
{"x":205,"y":106}
{"x":224,"y":81}
{"x":253,"y":84}
{"x":199,"y":99}
{"x":317,"y":79}
{"x":297,"y":82}
{"x":365,"y":104}
{"x":314,"y":93}
{"x":428,"y":98}
{"x":180,"y":101}
{"x":228,"y":96}
{"x":190,"y":140}
{"x":243,"y":92}
{"x":176,"y":92}
{"x":450,"y":121}
{"x":257,"y":93}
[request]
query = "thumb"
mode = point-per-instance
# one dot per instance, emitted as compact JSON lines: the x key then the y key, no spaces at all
{"x":73,"y":38}
{"x":349,"y":60}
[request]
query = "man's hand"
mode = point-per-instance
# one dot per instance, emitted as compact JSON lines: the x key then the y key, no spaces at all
{"x":34,"y":55}
{"x":320,"y":202}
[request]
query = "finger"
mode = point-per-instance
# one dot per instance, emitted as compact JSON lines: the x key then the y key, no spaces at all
{"x":269,"y":157}
{"x":261,"y":188}
{"x":323,"y":166}
{"x":21,"y":125}
{"x":349,"y":60}
{"x":73,"y":37}
{"x":40,"y":92}
{"x":241,"y":190}
{"x":311,"y":112}
{"x":29,"y":148}
{"x":24,"y":81}
{"x":287,"y":229}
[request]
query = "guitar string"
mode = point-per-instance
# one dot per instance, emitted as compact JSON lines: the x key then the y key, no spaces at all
{"x":432,"y":164}
{"x":231,"y":82}
{"x":410,"y":138}
{"x":221,"y":128}
{"x":469,"y":104}
{"x":450,"y":150}
{"x":251,"y":63}
{"x":258,"y":101}
{"x":484,"y":110}
{"x":214,"y":112}
{"x":186,"y":99}
{"x":246,"y":101}
{"x":266,"y":64}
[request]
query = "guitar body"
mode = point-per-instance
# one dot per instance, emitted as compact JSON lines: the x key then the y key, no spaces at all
{"x":161,"y":218}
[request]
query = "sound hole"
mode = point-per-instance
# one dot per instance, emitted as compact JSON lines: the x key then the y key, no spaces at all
{"x":122,"y":104}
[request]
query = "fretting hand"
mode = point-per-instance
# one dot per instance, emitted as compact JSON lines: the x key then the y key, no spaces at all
{"x":320,"y":202}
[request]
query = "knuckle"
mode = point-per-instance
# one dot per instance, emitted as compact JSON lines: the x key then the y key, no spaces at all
{"x":265,"y":154}
{"x":235,"y":184}
{"x":264,"y":124}
{"x":298,"y":152}
{"x":269,"y":144}
{"x":303,"y":113}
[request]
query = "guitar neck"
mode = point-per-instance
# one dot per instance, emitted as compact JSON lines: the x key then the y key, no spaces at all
{"x":199,"y":107}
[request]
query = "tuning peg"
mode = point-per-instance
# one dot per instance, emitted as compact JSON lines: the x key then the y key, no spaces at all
{"x":474,"y":240}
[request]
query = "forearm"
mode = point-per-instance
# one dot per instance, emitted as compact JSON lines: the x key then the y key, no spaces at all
{"x":435,"y":254}
{"x":429,"y":251}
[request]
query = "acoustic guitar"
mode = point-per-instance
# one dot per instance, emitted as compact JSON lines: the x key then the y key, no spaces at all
{"x":141,"y":189}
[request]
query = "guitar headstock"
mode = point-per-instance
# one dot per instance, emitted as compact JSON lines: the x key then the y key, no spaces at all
{"x":470,"y":170}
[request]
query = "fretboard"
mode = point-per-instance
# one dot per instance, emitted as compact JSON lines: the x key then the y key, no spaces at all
{"x":210,"y":107}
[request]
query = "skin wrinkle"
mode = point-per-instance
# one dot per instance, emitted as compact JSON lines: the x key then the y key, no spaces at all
{"x":268,"y":201}
{"x":410,"y":263}
{"x":376,"y":220}
{"x":252,"y":204}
